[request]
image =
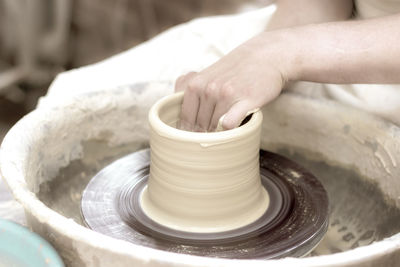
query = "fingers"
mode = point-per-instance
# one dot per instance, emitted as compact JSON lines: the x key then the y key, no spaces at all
{"x":208,"y":101}
{"x":226,"y":98}
{"x":219,"y":111}
{"x":190,"y":108}
{"x":191,"y":102}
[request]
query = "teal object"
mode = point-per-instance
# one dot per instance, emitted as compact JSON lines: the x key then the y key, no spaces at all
{"x":19,"y":247}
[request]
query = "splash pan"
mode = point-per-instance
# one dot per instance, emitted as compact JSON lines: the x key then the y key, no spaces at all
{"x":48,"y":158}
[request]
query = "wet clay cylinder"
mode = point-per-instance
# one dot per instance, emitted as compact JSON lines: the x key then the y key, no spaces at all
{"x":202,"y":182}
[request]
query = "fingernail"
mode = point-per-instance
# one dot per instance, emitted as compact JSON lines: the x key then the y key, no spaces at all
{"x":220,"y":124}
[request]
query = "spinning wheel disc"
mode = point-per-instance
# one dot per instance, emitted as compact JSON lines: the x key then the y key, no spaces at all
{"x":293,"y":224}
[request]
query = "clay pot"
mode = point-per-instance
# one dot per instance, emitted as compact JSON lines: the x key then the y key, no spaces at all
{"x":203,"y":182}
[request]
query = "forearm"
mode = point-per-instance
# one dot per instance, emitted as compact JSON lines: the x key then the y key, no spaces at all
{"x":342,"y":52}
{"x":291,"y":13}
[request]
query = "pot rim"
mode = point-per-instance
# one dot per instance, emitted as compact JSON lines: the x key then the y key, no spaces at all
{"x":165,"y":130}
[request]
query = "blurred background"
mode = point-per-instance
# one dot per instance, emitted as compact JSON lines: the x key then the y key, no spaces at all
{"x":40,"y":38}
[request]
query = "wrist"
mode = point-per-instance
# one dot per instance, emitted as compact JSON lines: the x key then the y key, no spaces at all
{"x":282,"y":51}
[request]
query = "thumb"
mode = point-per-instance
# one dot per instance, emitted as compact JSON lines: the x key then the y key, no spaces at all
{"x":236,"y":114}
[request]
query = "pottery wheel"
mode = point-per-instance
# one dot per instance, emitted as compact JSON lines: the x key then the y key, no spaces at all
{"x":294,"y":223}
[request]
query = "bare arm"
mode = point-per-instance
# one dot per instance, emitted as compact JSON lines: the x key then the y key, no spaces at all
{"x":291,"y":13}
{"x":345,"y":52}
{"x":253,"y":74}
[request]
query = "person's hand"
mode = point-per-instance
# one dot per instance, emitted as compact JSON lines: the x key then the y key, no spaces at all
{"x":247,"y":78}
